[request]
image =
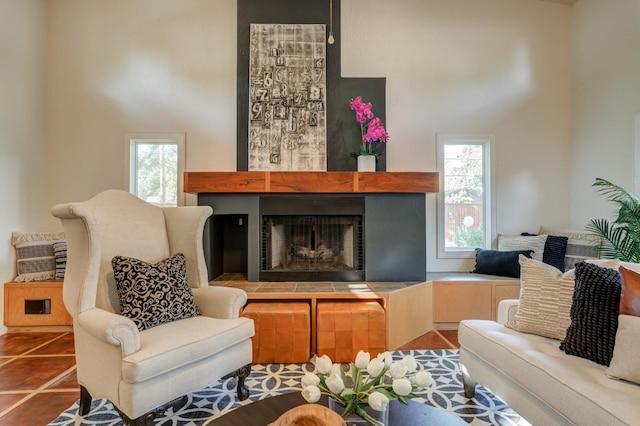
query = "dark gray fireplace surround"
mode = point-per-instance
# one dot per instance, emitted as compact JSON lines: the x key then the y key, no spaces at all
{"x":394,"y":233}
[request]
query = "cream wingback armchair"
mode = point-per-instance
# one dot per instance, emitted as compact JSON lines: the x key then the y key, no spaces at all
{"x":141,"y":372}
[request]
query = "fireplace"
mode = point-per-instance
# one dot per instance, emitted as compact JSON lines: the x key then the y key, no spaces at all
{"x":305,"y":239}
{"x":316,"y":237}
{"x":318,"y":248}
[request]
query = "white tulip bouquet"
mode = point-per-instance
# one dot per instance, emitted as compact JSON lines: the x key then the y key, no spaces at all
{"x":369,"y":382}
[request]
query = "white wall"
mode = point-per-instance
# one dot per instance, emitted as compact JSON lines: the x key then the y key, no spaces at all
{"x":467,"y":66}
{"x":23,"y":143}
{"x":557,"y":85}
{"x":606,"y":97}
{"x":133,"y":66}
{"x":454,"y":66}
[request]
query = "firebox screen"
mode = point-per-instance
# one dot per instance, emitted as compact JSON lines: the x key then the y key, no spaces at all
{"x":312,"y":243}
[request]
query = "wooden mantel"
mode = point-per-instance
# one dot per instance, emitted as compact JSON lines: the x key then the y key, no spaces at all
{"x":310,"y":182}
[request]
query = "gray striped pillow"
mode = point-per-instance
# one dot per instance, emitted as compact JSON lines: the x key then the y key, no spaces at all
{"x":60,"y":254}
{"x":35,"y":255}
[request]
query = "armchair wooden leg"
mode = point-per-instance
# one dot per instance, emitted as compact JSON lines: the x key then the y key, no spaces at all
{"x":85,"y":401}
{"x":241,"y":374}
{"x":469,"y":386}
{"x":147,"y":418}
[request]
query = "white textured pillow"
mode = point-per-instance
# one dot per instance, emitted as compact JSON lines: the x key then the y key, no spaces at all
{"x":546,"y":295}
{"x":521,"y":242}
{"x":624,"y":364}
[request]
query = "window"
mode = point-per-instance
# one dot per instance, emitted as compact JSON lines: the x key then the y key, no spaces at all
{"x":464,"y":200}
{"x":154,"y":167}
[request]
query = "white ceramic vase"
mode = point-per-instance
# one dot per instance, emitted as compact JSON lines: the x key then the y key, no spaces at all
{"x":366,"y":163}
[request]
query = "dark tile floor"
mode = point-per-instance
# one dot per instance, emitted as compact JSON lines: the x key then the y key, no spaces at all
{"x":38,"y":380}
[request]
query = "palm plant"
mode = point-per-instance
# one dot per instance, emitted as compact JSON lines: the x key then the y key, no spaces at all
{"x":621,"y":237}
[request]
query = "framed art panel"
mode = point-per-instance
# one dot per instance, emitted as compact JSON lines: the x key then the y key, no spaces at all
{"x":287,"y":97}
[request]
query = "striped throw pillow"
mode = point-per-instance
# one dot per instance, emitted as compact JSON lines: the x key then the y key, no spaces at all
{"x":60,"y":254}
{"x":35,"y":255}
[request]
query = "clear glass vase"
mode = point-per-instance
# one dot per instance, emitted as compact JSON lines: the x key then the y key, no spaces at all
{"x":375,"y":418}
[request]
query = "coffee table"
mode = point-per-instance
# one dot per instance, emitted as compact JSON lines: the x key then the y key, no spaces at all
{"x":265,"y":411}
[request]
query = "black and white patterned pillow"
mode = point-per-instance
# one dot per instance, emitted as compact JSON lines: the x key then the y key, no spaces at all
{"x":60,"y":255}
{"x":594,"y":313}
{"x":153,"y":294}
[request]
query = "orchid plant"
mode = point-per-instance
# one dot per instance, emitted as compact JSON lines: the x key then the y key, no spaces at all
{"x":372,"y":131}
{"x":369,"y":382}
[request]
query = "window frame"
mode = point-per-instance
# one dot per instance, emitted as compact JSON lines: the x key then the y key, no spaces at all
{"x":131,"y":140}
{"x":487,"y":141}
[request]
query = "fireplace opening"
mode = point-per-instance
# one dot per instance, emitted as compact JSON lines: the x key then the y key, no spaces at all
{"x":312,"y":239}
{"x":318,"y":247}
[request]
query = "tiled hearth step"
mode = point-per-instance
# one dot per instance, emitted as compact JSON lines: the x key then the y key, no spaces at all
{"x":284,"y":330}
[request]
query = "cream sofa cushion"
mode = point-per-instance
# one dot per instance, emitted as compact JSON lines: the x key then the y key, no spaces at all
{"x":624,"y":364}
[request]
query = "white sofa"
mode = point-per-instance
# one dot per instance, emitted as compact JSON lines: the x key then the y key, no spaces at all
{"x":538,"y":380}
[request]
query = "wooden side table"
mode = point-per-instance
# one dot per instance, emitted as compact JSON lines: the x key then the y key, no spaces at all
{"x":36,"y":304}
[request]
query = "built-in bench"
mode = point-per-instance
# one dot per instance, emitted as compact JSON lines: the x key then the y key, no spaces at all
{"x":461,"y":295}
{"x":35,"y":306}
{"x":411,"y":309}
{"x":403,"y":303}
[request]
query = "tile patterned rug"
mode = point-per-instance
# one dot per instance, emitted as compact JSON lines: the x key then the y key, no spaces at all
{"x":268,"y":380}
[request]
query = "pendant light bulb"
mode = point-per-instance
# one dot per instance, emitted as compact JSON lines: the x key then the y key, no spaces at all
{"x":330,"y":40}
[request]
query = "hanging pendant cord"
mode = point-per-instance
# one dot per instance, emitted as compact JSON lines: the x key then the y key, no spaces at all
{"x":330,"y":40}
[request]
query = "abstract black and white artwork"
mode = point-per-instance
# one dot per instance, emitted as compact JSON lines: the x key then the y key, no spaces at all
{"x":287,"y":97}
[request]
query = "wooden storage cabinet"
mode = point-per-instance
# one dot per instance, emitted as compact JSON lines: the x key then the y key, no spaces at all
{"x":454,"y":301}
{"x":20,"y":298}
{"x":505,"y":291}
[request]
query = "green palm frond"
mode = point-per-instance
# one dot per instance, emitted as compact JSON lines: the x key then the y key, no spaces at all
{"x":621,"y":237}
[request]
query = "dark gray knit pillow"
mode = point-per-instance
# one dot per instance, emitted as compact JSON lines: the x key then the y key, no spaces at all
{"x":594,"y":313}
{"x":555,"y":250}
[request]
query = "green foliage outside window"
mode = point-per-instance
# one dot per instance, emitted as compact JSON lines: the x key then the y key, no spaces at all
{"x":468,"y":236}
{"x":157,"y":173}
